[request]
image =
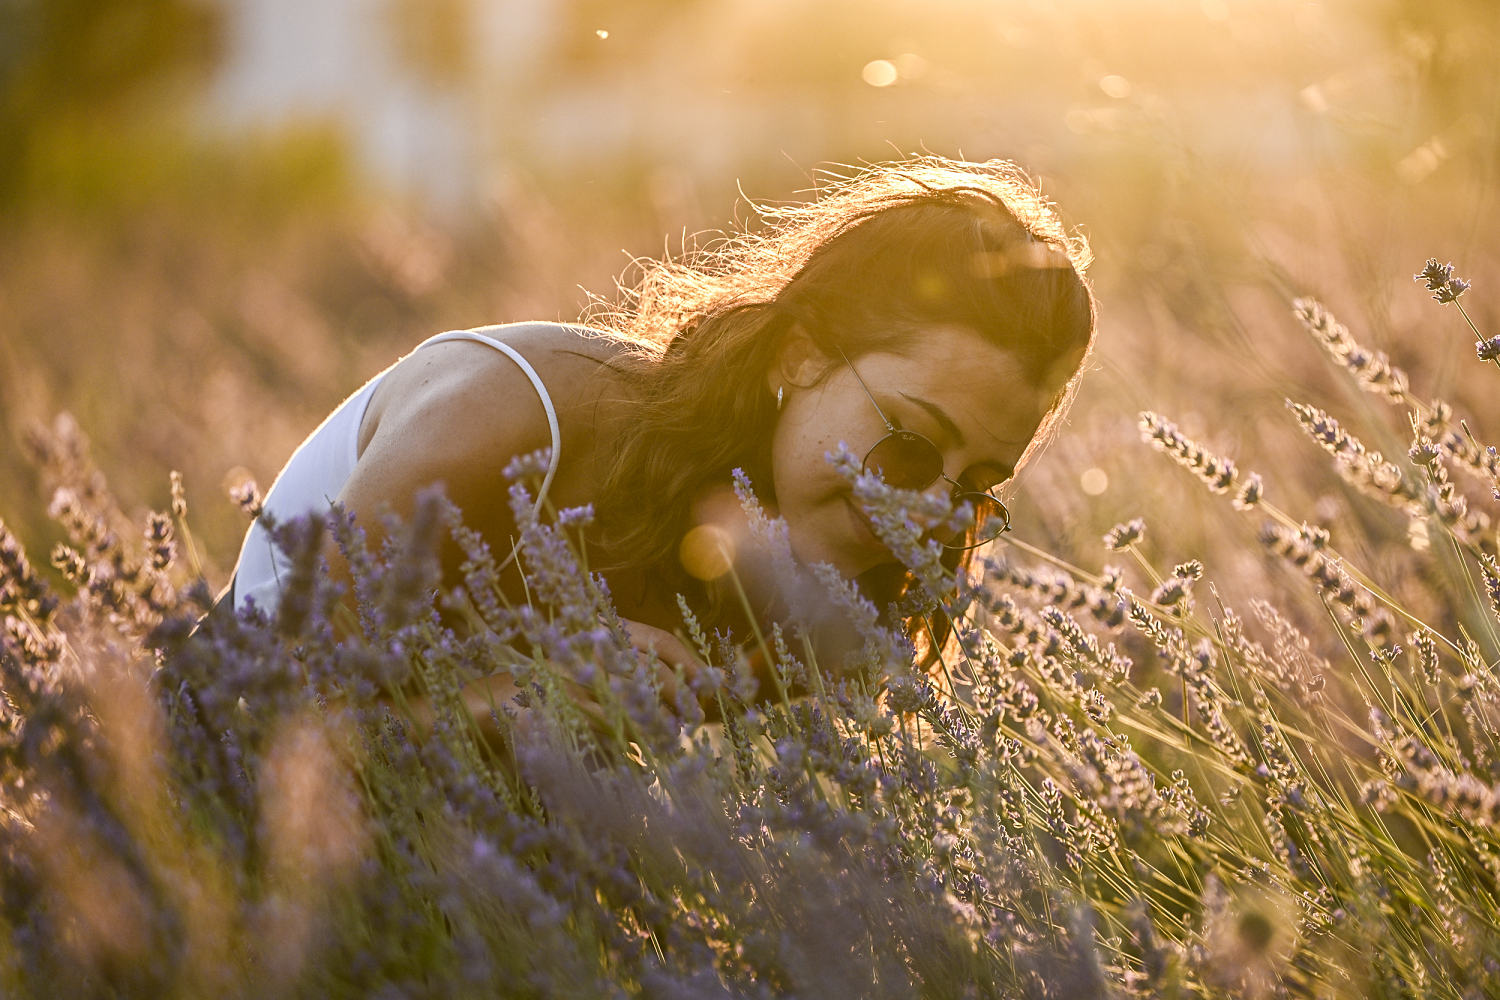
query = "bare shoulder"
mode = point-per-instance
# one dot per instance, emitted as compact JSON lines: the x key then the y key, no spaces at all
{"x":477,"y":388}
{"x":455,"y":412}
{"x":559,"y":348}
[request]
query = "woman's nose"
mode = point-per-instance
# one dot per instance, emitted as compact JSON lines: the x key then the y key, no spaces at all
{"x":941,"y":488}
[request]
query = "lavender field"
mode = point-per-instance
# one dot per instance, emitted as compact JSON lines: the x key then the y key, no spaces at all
{"x":1220,"y":718}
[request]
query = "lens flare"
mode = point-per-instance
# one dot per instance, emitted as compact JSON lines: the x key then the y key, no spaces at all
{"x":707,"y":551}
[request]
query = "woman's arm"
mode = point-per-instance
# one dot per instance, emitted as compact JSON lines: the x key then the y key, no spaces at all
{"x":484,"y":697}
{"x":454,"y":414}
{"x":450,"y":415}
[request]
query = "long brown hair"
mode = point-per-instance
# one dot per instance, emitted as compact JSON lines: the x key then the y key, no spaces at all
{"x":878,"y":254}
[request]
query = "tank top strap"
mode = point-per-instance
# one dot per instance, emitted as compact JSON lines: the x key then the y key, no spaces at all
{"x":536,"y":381}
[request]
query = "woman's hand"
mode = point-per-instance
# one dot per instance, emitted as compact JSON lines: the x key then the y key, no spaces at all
{"x":670,"y":654}
{"x":669,"y":651}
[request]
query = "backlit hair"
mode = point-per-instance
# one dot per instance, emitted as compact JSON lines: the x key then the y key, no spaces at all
{"x":879,"y":253}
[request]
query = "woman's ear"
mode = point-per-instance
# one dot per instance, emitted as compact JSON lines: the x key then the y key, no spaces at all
{"x":799,"y":361}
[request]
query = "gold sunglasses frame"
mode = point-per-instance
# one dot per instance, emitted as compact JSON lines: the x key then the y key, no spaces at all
{"x":959,"y":491}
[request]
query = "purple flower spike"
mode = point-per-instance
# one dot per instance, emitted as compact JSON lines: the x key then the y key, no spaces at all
{"x":1436,"y":275}
{"x":1441,"y":281}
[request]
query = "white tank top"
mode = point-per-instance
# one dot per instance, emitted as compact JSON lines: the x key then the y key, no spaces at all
{"x":317,"y":471}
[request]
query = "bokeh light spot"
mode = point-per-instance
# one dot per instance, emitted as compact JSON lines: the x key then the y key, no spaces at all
{"x":1256,"y":931}
{"x":910,"y":66}
{"x":707,"y":552}
{"x":1416,"y":166}
{"x":930,"y":286}
{"x":1115,"y":86}
{"x":879,"y":73}
{"x":1094,"y":481}
{"x":602,"y":33}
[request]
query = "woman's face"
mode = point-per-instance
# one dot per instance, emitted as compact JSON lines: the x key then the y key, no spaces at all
{"x":964,"y":394}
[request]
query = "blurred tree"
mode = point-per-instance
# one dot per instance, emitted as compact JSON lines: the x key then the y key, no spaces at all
{"x":69,"y":62}
{"x":434,"y":39}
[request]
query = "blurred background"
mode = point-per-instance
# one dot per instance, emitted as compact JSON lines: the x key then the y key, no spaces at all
{"x":218,"y":217}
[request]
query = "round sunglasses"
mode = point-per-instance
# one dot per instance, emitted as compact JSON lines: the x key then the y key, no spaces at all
{"x":909,"y":461}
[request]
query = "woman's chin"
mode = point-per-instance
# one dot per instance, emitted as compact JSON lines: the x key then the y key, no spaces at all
{"x":846,"y":541}
{"x":868,"y":551}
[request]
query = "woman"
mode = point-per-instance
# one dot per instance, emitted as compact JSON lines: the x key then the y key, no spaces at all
{"x":931,"y":314}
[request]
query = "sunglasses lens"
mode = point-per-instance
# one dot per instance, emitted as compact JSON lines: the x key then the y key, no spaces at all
{"x":990,"y":515}
{"x":905,"y":460}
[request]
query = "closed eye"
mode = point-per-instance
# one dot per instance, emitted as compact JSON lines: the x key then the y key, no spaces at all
{"x":927,"y":431}
{"x":940,"y":417}
{"x":995,"y":474}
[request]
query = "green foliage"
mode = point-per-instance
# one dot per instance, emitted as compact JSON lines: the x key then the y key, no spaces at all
{"x":70,"y":64}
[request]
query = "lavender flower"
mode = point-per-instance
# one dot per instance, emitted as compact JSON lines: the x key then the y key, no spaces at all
{"x":1489,"y":569}
{"x":274,"y":815}
{"x":248,"y":497}
{"x":1448,"y":288}
{"x":1217,"y":473}
{"x":1251,"y":492}
{"x":1441,"y":281}
{"x":1176,"y":591}
{"x":1372,"y":369}
{"x":1369,"y":471}
{"x":1122,"y":536}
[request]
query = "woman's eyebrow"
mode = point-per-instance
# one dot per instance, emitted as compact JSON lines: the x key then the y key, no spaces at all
{"x":951,"y":429}
{"x":941,"y":416}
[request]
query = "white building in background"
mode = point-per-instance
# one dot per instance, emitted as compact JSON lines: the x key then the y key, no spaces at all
{"x":539,"y":85}
{"x":288,"y":61}
{"x":701,"y":90}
